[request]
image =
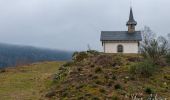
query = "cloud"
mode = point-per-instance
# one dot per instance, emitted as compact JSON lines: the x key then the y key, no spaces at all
{"x":72,"y":24}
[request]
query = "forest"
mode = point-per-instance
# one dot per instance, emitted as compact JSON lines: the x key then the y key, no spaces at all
{"x":13,"y":55}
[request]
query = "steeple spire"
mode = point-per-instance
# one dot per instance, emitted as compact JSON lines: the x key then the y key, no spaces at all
{"x":131,"y":22}
{"x":131,"y":15}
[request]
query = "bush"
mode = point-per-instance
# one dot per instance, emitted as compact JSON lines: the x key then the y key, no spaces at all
{"x":50,"y":94}
{"x":115,"y":98}
{"x":102,"y":90}
{"x":148,"y":90}
{"x":79,"y":56}
{"x":155,"y":49}
{"x":95,"y":98}
{"x":118,"y":86}
{"x":98,"y":82}
{"x":104,"y":60}
{"x":168,"y":58}
{"x":68,"y":64}
{"x":145,"y":68}
{"x":114,"y":77}
{"x":2,"y":70}
{"x":119,"y":60}
{"x":98,"y":70}
{"x":93,"y":52}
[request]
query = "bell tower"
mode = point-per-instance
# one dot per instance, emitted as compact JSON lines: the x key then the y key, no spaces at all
{"x":131,"y":22}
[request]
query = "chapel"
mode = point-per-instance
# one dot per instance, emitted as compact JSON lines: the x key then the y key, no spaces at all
{"x":122,"y":41}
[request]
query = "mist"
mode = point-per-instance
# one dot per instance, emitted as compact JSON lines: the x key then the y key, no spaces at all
{"x":73,"y":24}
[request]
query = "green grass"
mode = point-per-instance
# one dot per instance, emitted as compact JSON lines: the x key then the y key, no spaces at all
{"x":27,"y":82}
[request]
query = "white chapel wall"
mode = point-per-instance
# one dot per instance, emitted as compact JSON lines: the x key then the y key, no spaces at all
{"x":128,"y":47}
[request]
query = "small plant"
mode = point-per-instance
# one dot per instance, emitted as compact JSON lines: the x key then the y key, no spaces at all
{"x":2,"y":70}
{"x":167,"y":77}
{"x":168,"y":58}
{"x":98,"y":70}
{"x":94,"y":77}
{"x":145,"y":68}
{"x":92,"y":66}
{"x":104,"y":60}
{"x":98,"y":82}
{"x":118,"y":60}
{"x":79,"y":56}
{"x":93,"y":52}
{"x":118,"y":86}
{"x":114,"y":77}
{"x":68,"y":64}
{"x":102,"y":90}
{"x":115,"y":98}
{"x":50,"y":94}
{"x":148,"y":90}
{"x":95,"y":98}
{"x":79,"y":69}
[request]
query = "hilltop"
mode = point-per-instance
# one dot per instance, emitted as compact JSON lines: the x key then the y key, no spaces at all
{"x":97,"y":76}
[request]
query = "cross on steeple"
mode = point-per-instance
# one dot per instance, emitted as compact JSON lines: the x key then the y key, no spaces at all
{"x":131,"y":23}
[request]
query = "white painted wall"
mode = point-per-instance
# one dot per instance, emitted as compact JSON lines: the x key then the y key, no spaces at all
{"x":128,"y":47}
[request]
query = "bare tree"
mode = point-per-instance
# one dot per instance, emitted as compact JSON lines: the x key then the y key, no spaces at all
{"x":153,"y":48}
{"x":168,"y":40}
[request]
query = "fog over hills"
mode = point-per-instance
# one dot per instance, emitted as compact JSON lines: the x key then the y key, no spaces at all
{"x":13,"y":55}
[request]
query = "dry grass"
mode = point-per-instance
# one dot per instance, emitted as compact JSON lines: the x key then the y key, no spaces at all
{"x":27,"y":82}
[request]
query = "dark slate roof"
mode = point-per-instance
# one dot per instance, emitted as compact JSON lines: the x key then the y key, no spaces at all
{"x":120,"y":36}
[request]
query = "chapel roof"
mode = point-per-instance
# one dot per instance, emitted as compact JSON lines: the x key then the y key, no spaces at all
{"x":120,"y":36}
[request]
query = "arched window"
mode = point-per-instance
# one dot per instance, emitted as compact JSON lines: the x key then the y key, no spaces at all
{"x":120,"y":49}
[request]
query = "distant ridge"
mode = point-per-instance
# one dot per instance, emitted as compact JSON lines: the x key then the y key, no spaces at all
{"x":13,"y":55}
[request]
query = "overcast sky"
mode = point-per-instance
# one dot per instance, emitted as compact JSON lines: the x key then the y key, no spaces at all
{"x":72,"y":24}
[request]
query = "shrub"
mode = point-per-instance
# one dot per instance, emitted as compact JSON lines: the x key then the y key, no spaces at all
{"x":70,"y":63}
{"x":104,"y":60}
{"x":50,"y":94}
{"x":98,"y":70}
{"x":92,"y":66}
{"x":95,"y":98}
{"x":134,"y":58}
{"x":115,"y":98}
{"x":167,"y":77}
{"x":114,"y":77}
{"x":168,"y":58}
{"x":148,"y":90}
{"x":145,"y":68}
{"x":94,"y":77}
{"x":118,"y":86}
{"x":2,"y":70}
{"x":154,"y":49}
{"x":102,"y":90}
{"x":79,"y":69}
{"x":119,"y":60}
{"x":79,"y":56}
{"x":93,"y":52}
{"x":98,"y":82}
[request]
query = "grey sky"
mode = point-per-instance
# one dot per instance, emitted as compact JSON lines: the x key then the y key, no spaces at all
{"x":72,"y":24}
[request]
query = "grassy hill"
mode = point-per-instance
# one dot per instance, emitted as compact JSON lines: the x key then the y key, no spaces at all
{"x":27,"y":82}
{"x":107,"y":77}
{"x":90,"y":76}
